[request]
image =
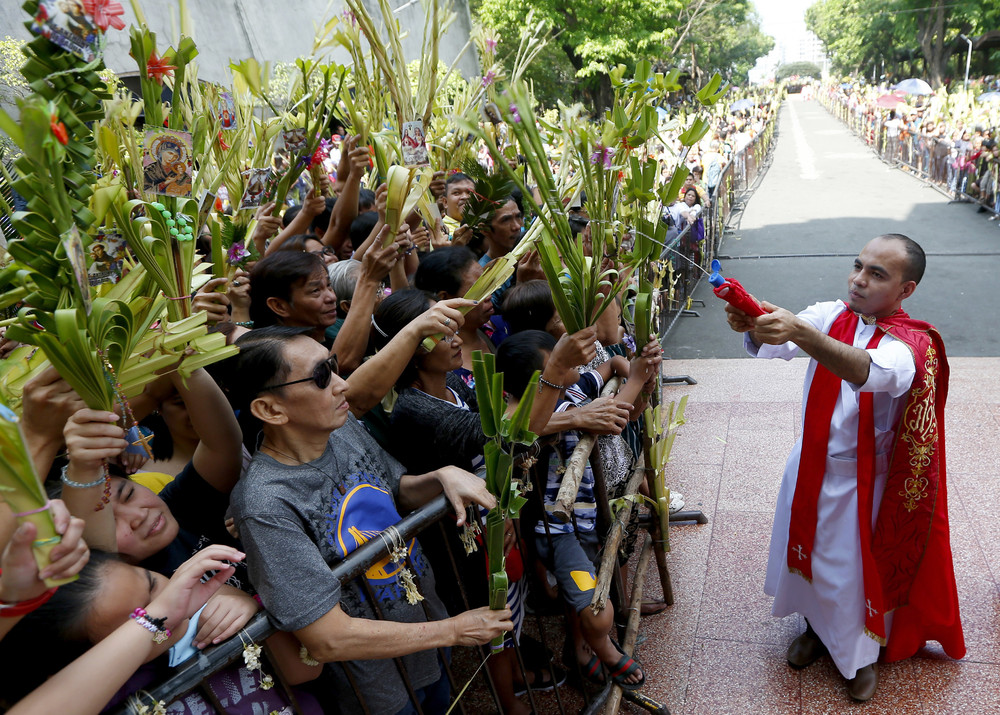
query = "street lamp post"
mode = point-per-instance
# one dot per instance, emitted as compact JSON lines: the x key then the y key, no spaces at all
{"x":968,"y":61}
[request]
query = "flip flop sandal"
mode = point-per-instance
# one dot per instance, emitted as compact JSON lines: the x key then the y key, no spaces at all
{"x":591,"y":670}
{"x":542,"y":682}
{"x":625,"y":667}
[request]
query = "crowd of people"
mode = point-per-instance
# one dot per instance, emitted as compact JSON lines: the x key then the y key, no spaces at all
{"x":331,"y":423}
{"x":351,"y":402}
{"x":948,"y":137}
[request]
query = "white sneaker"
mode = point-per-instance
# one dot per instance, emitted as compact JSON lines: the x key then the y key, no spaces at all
{"x":676,"y":502}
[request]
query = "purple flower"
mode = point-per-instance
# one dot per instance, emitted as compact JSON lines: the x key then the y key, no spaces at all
{"x":237,"y":253}
{"x":602,"y":155}
{"x":491,"y":44}
{"x":629,"y":342}
{"x":515,"y":115}
{"x":349,"y":18}
{"x":488,"y":79}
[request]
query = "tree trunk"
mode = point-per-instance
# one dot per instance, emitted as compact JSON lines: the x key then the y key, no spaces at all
{"x":931,"y":36}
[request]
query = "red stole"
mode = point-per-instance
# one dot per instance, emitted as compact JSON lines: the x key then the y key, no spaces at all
{"x":891,"y":553}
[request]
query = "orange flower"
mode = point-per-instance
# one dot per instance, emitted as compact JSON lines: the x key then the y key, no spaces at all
{"x":59,"y":129}
{"x":157,"y":68}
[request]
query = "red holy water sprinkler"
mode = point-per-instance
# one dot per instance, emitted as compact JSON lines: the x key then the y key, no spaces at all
{"x":730,"y":290}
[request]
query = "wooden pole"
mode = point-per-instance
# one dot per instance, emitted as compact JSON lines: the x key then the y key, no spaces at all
{"x":563,"y":509}
{"x":609,"y":555}
{"x":632,"y":627}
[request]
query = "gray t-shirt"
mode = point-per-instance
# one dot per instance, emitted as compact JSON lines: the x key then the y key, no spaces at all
{"x":296,"y":522}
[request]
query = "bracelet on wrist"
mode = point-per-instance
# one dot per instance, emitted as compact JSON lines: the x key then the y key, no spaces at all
{"x":244,"y":323}
{"x":542,"y":382}
{"x":23,"y":608}
{"x":161,"y":634}
{"x":105,"y":480}
{"x":80,"y":485}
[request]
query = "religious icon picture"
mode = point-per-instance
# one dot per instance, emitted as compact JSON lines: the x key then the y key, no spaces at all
{"x":295,"y":140}
{"x":414,"y":144}
{"x":259,"y":186}
{"x":67,"y":24}
{"x":166,"y":163}
{"x":491,"y":113}
{"x":73,"y":245}
{"x":227,"y":110}
{"x":106,"y":253}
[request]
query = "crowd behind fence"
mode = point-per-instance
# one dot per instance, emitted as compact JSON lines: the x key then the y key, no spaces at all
{"x":686,"y":256}
{"x":191,"y":681}
{"x":953,"y":162}
{"x":615,"y":529}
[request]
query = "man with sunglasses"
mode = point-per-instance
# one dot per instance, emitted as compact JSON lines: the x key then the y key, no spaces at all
{"x":319,"y":486}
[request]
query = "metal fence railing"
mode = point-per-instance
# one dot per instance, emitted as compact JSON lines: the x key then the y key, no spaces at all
{"x":686,"y":255}
{"x":953,"y":167}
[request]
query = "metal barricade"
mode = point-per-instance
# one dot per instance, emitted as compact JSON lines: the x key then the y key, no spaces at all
{"x":688,"y":260}
{"x":935,"y":160}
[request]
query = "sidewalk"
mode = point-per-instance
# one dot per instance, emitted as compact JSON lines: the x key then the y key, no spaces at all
{"x":718,"y":650}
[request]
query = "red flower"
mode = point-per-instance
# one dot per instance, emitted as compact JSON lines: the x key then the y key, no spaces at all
{"x":157,"y":68}
{"x":105,"y":13}
{"x":222,"y":142}
{"x":317,"y":158}
{"x":59,"y":129}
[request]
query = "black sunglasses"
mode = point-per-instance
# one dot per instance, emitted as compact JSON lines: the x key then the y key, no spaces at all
{"x":321,"y":375}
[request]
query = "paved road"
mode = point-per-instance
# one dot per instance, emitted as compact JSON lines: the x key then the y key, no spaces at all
{"x":823,"y":198}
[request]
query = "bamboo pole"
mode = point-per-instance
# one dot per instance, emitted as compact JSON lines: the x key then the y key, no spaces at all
{"x":632,"y":627}
{"x":563,"y":509}
{"x":609,"y":555}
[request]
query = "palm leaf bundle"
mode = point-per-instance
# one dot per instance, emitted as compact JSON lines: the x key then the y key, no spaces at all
{"x":503,"y":434}
{"x":21,"y":489}
{"x":659,"y":436}
{"x":490,"y":192}
{"x":92,"y":338}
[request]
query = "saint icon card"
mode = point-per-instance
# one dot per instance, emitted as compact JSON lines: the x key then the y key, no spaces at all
{"x":166,"y":163}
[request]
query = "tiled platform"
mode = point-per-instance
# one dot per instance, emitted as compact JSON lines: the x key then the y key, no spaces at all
{"x":718,"y":650}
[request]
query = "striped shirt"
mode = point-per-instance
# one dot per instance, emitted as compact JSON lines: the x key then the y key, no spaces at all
{"x":585,"y":506}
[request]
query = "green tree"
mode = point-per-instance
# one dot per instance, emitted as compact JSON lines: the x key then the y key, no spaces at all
{"x":592,"y":37}
{"x":898,"y":34}
{"x":800,"y":69}
{"x":719,"y":36}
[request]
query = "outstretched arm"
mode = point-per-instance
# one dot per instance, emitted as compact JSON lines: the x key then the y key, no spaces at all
{"x":219,"y":455}
{"x":372,"y":381}
{"x":781,"y":326}
{"x":337,"y":636}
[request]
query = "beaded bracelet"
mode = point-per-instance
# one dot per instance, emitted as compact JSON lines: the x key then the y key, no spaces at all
{"x":105,"y":479}
{"x":244,"y":323}
{"x":161,"y":633}
{"x":542,"y":381}
{"x":178,"y":225}
{"x":80,"y":485}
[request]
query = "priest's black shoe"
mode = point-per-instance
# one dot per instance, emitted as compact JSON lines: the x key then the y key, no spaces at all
{"x":864,"y":684}
{"x":806,"y":649}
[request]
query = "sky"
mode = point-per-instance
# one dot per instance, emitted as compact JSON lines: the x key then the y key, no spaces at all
{"x":784,"y":20}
